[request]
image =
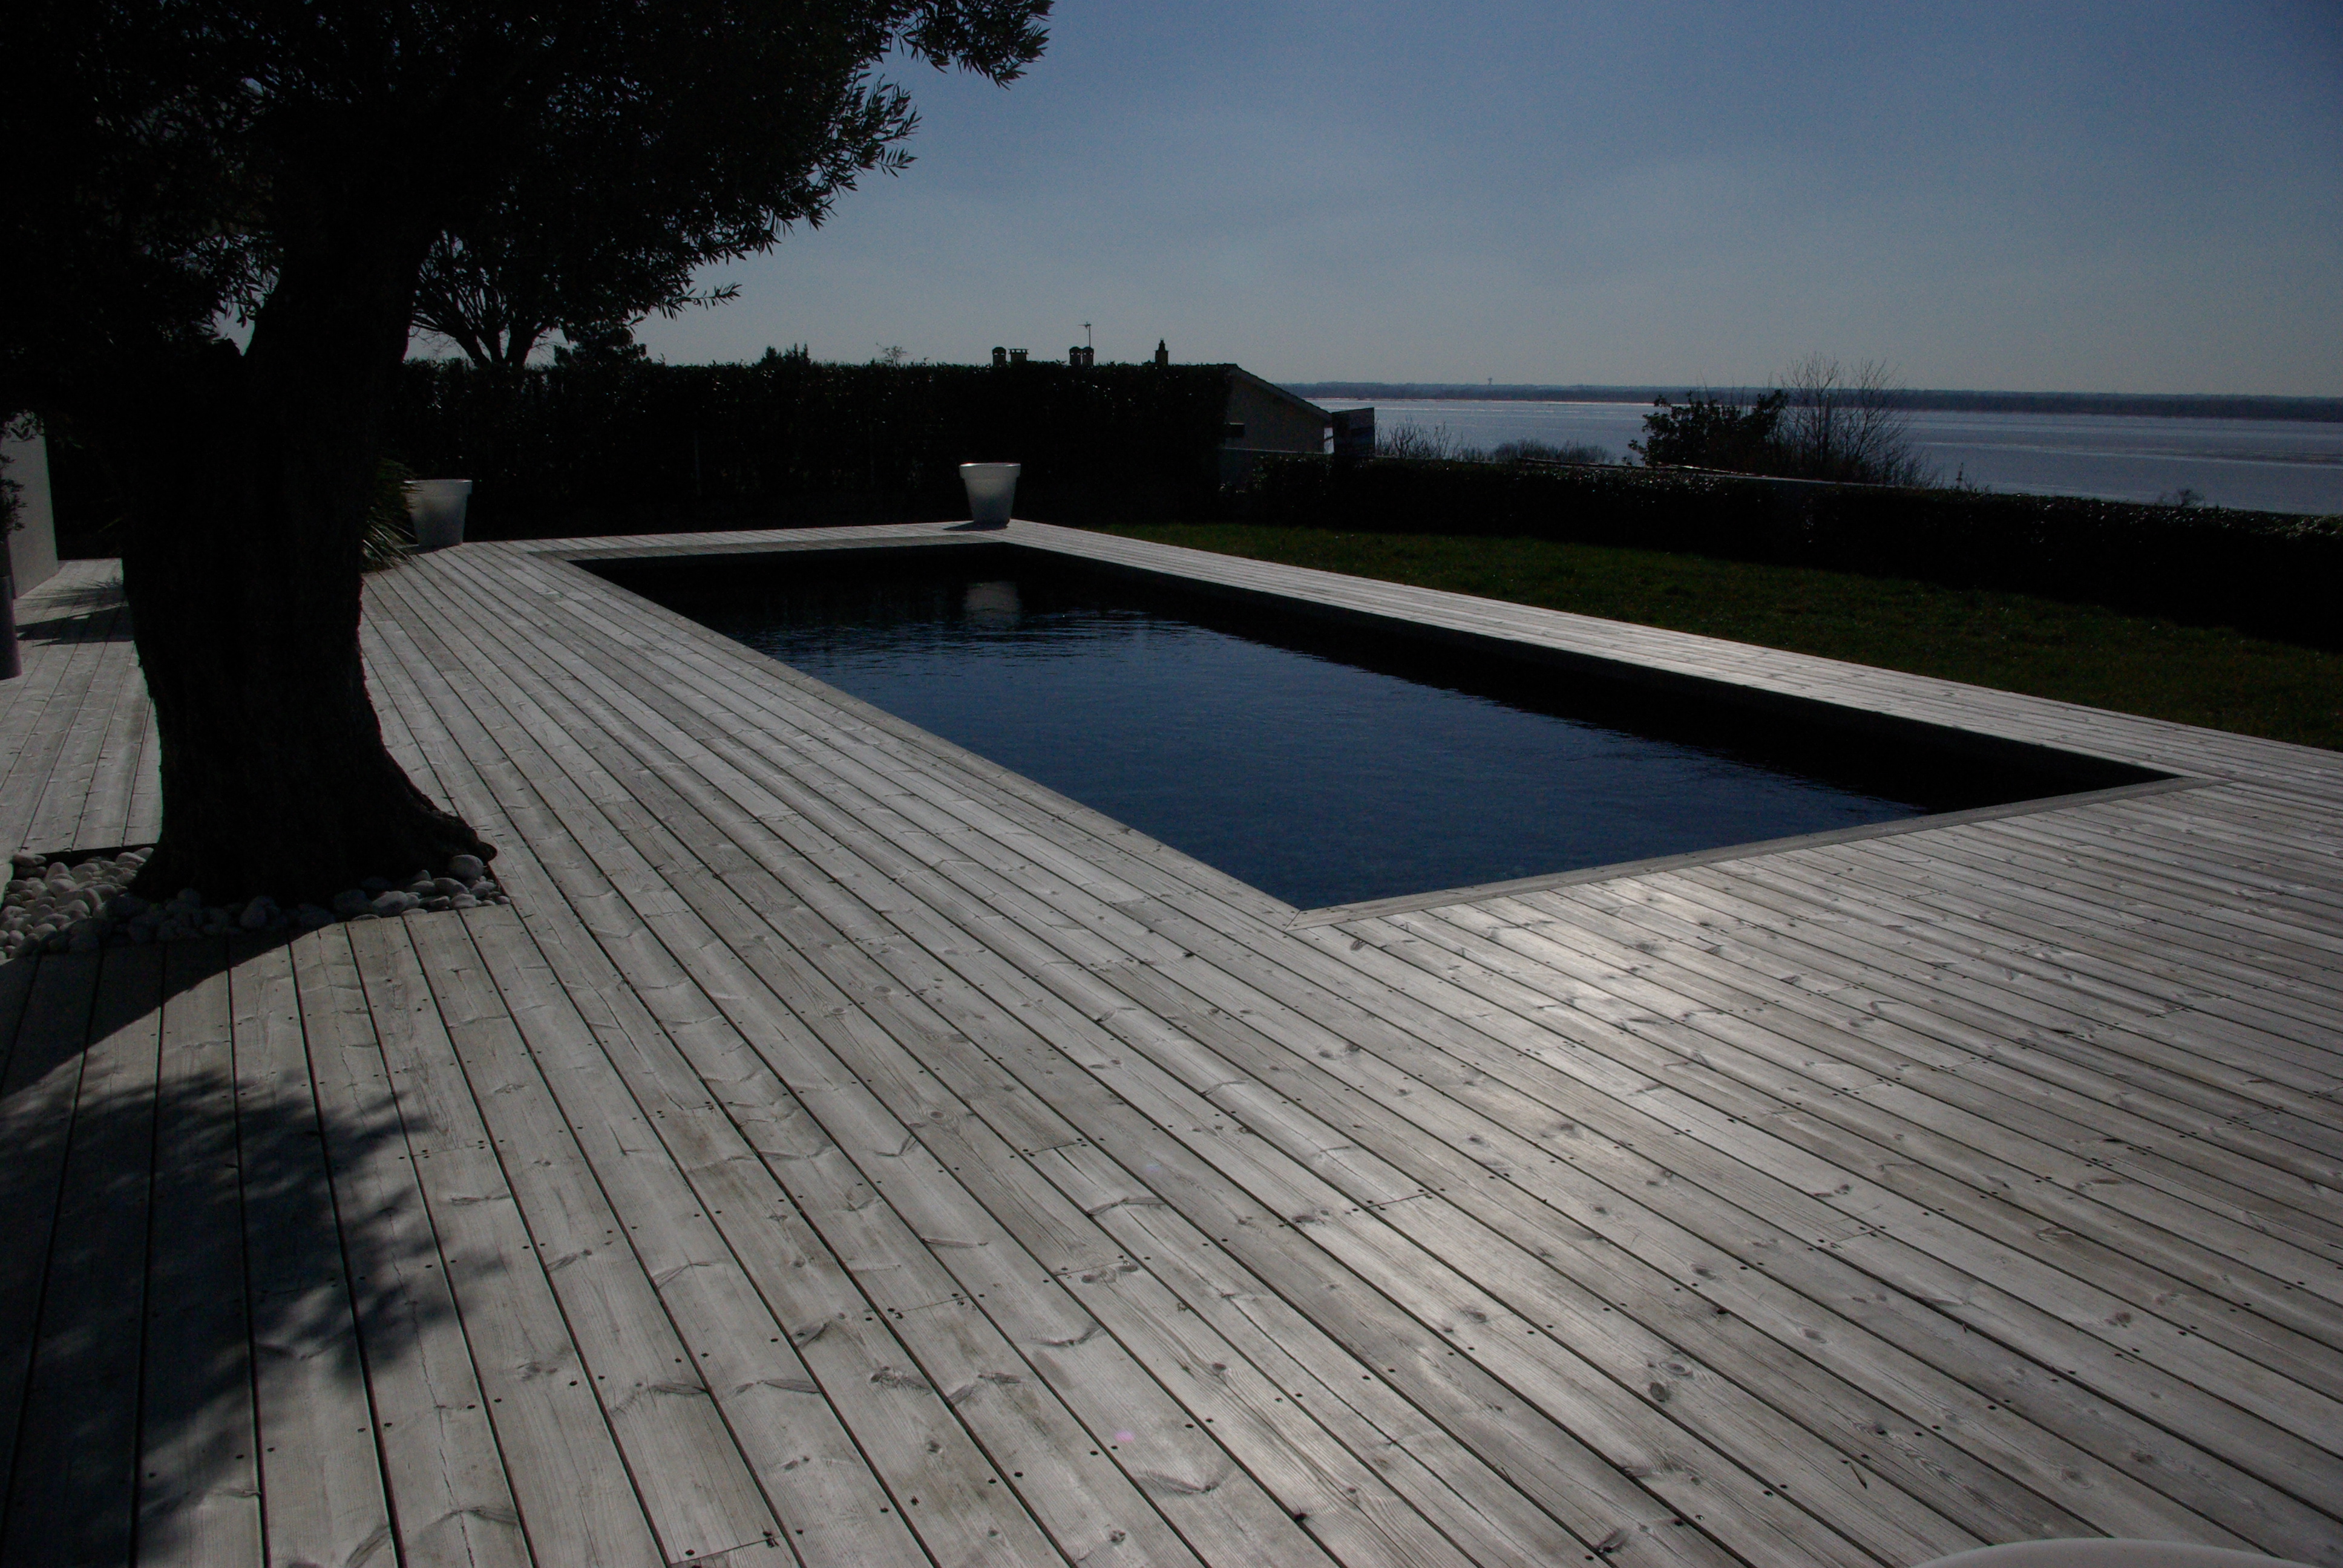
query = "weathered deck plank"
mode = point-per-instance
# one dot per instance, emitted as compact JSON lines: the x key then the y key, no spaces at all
{"x":847,"y":1151}
{"x":73,"y":638}
{"x":670,"y":818}
{"x":440,"y":1461}
{"x":324,"y":1493}
{"x":200,"y":1474}
{"x":75,"y":1486}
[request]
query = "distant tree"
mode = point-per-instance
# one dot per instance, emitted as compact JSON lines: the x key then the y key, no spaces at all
{"x":1710,"y":432}
{"x":551,"y":255}
{"x":1821,"y":421}
{"x":1436,"y":445}
{"x":1842,"y":423}
{"x":600,"y":348}
{"x":299,"y":165}
{"x":496,"y":298}
{"x":551,"y":252}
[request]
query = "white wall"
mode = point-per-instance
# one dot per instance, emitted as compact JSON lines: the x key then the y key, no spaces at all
{"x":32,"y":549}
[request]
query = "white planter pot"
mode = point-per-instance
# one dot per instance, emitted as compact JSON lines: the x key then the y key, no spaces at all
{"x":992,"y":491}
{"x":435,"y":509}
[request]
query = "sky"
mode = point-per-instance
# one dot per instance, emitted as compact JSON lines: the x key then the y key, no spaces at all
{"x":2132,"y":195}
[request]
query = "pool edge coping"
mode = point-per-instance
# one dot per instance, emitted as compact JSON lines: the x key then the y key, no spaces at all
{"x":1406,"y":903}
{"x":577,"y":553}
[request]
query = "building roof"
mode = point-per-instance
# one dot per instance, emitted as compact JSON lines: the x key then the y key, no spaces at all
{"x":1238,"y":373}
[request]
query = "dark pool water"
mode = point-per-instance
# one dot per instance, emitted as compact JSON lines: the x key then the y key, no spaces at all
{"x":1322,"y":764}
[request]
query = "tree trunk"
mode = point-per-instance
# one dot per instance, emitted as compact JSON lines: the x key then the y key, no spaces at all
{"x":251,"y":474}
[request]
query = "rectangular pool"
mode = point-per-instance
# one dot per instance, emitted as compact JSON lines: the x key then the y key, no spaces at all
{"x":1325,"y":762}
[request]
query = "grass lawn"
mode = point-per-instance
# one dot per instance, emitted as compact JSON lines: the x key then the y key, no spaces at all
{"x":2078,"y":653}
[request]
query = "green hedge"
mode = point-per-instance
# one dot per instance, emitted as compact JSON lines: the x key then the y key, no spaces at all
{"x":649,"y":448}
{"x":2270,"y":573}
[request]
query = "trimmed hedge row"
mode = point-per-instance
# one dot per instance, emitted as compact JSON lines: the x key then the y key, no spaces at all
{"x":2265,"y":572}
{"x":643,"y":446}
{"x":648,"y":447}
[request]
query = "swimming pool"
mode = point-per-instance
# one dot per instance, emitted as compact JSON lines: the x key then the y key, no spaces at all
{"x":1325,"y":763}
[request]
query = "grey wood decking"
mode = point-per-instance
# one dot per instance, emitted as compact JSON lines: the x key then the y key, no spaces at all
{"x":846,"y":1151}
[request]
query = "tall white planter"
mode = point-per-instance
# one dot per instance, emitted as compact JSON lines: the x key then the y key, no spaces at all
{"x":436,"y":509}
{"x":991,"y":491}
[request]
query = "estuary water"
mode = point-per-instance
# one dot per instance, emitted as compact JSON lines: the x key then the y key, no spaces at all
{"x":2266,"y":465}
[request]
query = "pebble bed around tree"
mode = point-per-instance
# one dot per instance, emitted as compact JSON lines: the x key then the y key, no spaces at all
{"x":79,"y":907}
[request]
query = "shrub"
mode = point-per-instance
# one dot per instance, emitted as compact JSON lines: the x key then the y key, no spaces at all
{"x":1412,"y":440}
{"x":1822,"y":421}
{"x":389,"y":532}
{"x":1533,"y":451}
{"x":1708,"y":432}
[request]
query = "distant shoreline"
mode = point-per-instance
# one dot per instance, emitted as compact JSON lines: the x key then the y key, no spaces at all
{"x":2170,"y":405}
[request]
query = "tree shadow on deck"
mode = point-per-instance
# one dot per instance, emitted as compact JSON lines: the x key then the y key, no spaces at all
{"x":207,"y":1216}
{"x":55,"y":613}
{"x":109,"y":625}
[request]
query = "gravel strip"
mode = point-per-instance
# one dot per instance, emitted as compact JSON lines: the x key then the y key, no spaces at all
{"x":79,"y":907}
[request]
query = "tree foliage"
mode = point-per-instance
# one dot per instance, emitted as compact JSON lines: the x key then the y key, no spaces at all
{"x":627,"y":186}
{"x":563,"y":164}
{"x":1711,"y":432}
{"x":298,"y":164}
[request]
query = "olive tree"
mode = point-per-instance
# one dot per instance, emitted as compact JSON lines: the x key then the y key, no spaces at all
{"x":297,"y":164}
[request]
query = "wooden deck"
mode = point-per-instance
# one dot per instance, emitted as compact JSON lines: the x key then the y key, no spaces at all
{"x":845,"y":1151}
